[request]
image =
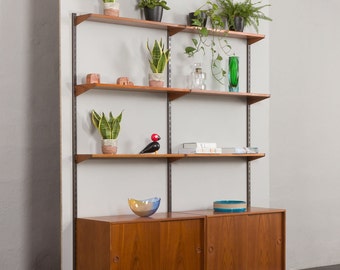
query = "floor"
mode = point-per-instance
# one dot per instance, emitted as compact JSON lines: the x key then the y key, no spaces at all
{"x":330,"y":267}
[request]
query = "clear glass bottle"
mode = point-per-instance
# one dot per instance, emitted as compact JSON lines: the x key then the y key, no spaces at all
{"x":198,"y":78}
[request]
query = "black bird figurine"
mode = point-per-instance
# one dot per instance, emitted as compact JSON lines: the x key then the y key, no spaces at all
{"x":153,"y":146}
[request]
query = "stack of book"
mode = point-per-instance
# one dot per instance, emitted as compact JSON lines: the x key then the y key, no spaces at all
{"x":199,"y":148}
{"x":240,"y":150}
{"x":211,"y":148}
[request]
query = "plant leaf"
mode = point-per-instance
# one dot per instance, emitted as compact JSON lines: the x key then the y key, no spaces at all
{"x":104,"y":128}
{"x":95,"y":117}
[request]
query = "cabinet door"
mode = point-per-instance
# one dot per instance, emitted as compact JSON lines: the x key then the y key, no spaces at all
{"x":182,"y":245}
{"x":227,"y":243}
{"x":266,"y":244}
{"x":93,"y":245}
{"x":135,"y":246}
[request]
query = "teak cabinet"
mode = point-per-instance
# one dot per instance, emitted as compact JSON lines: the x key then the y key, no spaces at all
{"x":253,"y":240}
{"x":167,"y":241}
{"x":199,"y":240}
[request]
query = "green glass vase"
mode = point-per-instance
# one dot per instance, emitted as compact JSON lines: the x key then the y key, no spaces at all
{"x":233,"y":74}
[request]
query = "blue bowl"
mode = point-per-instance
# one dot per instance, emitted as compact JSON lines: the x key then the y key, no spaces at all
{"x":144,"y":208}
{"x":230,"y":206}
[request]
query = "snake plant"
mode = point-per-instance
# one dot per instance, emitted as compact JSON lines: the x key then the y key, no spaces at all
{"x":159,"y":56}
{"x":108,"y":128}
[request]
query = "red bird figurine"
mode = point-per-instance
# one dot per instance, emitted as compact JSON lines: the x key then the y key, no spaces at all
{"x":153,"y":146}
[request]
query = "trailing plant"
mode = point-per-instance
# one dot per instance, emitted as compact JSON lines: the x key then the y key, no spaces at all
{"x":211,"y":39}
{"x":250,"y":12}
{"x":159,"y":56}
{"x":108,"y":128}
{"x":153,"y":4}
{"x":109,"y":1}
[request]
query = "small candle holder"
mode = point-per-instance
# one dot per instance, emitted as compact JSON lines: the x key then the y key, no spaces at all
{"x":93,"y":78}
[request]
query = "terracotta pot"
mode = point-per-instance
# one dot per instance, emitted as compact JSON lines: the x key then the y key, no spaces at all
{"x":109,"y":146}
{"x":111,"y":9}
{"x":156,"y":79}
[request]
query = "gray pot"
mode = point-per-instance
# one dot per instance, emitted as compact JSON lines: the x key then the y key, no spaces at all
{"x":202,"y":17}
{"x":153,"y":14}
{"x":239,"y":23}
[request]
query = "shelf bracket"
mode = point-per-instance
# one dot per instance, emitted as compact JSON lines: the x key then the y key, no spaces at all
{"x":81,"y":18}
{"x":82,"y":88}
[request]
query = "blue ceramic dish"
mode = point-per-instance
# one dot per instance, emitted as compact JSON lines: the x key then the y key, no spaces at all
{"x":230,"y":206}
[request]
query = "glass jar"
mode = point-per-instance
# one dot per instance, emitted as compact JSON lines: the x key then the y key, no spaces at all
{"x":198,"y":78}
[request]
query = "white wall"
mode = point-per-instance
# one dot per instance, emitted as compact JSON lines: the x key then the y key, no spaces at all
{"x":29,"y":137}
{"x":304,"y":128}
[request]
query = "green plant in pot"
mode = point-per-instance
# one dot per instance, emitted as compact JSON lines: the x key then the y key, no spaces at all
{"x":242,"y":14}
{"x":153,"y":9}
{"x":158,"y":59}
{"x":210,"y":39}
{"x":108,"y":128}
{"x":111,"y":8}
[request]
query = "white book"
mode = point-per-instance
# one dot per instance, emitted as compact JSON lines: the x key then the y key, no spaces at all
{"x":240,"y":150}
{"x":200,"y":150}
{"x":196,"y":145}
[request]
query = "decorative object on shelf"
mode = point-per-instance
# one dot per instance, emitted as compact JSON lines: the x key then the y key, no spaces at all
{"x":144,"y":208}
{"x":111,"y":8}
{"x":230,"y":206}
{"x":200,"y":18}
{"x":199,"y":148}
{"x":124,"y":81}
{"x":205,"y":150}
{"x":198,"y":77}
{"x":109,"y":129}
{"x":93,"y":78}
{"x":158,"y":58}
{"x":240,"y":150}
{"x":216,"y":44}
{"x":241,"y":14}
{"x":233,"y":73}
{"x":153,"y":9}
{"x":152,"y":147}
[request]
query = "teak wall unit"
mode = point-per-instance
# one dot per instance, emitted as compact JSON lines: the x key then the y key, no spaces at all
{"x":256,"y":237}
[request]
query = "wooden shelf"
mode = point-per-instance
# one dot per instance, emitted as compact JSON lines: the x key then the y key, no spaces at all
{"x":251,"y":97}
{"x":171,"y":157}
{"x":171,"y":28}
{"x":173,"y":93}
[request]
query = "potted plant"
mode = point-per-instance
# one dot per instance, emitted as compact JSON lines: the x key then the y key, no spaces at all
{"x":153,"y":9}
{"x":111,"y":8}
{"x":217,"y":45}
{"x":109,"y":129}
{"x":241,"y":14}
{"x":158,"y":58}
